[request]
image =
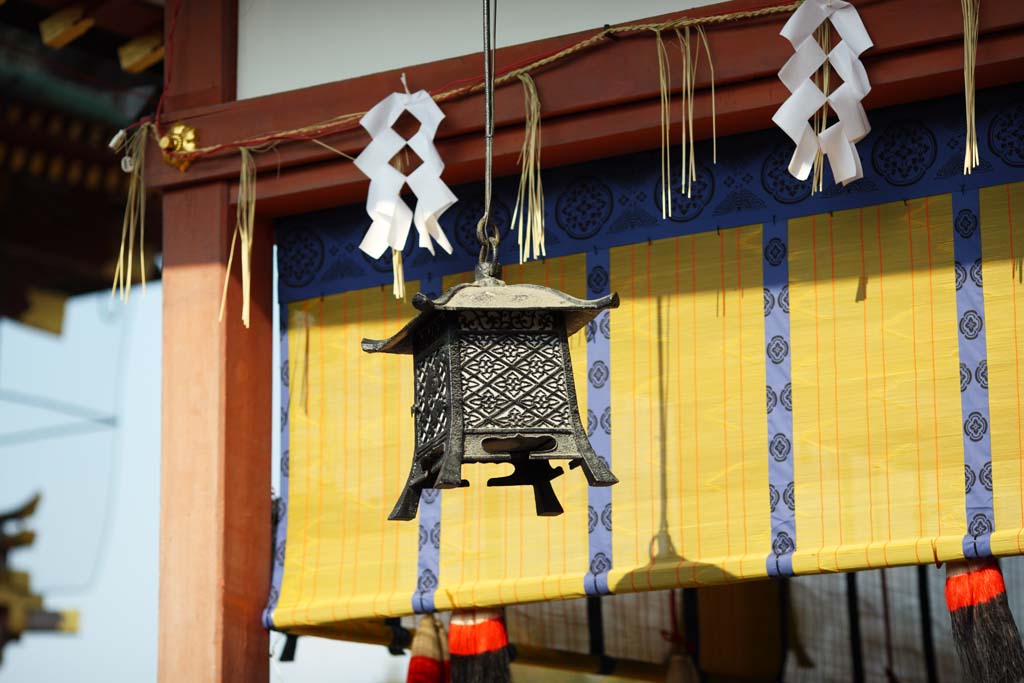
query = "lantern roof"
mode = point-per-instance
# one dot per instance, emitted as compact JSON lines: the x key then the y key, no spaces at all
{"x":489,"y":294}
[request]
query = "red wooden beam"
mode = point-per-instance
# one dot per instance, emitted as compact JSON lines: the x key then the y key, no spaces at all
{"x":741,"y":107}
{"x":616,"y":75}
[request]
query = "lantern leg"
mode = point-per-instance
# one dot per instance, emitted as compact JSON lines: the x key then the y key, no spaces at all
{"x":409,"y":501}
{"x":594,"y":468}
{"x":535,"y":473}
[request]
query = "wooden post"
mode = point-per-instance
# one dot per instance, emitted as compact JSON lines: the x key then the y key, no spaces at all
{"x":215,"y":474}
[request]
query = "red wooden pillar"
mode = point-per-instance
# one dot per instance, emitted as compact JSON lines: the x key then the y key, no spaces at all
{"x":215,"y":475}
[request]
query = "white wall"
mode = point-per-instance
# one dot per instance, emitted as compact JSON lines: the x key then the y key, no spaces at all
{"x":288,"y":44}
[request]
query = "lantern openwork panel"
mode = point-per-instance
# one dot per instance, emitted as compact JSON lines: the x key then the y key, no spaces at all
{"x":493,"y":383}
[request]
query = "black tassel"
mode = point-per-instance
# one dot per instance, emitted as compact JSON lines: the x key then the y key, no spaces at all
{"x":984,"y":631}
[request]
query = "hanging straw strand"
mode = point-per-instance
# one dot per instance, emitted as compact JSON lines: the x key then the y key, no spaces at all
{"x":245,"y":215}
{"x":134,"y":216}
{"x":971,"y":9}
{"x":528,"y":215}
{"x":664,"y":75}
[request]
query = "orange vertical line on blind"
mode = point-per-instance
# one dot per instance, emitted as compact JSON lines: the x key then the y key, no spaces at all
{"x":343,"y":301}
{"x":320,"y":461}
{"x":1016,"y":356}
{"x":935,"y":398}
{"x":359,"y":461}
{"x":743,"y":441}
{"x":632,"y":318}
{"x":917,"y":392}
{"x":305,"y":379}
{"x":867,"y":393}
{"x":651,"y":342}
{"x":817,"y":387}
{"x":725,"y":399}
{"x":679,"y":411}
{"x":835,"y":385}
{"x":885,"y":381}
{"x":696,"y":415}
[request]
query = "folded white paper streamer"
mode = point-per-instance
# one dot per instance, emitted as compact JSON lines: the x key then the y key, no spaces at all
{"x":391,"y":216}
{"x":837,"y":142}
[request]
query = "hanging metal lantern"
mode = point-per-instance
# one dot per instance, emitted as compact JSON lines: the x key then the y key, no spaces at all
{"x":493,"y":383}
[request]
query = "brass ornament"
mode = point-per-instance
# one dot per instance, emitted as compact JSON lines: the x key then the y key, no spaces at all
{"x":178,"y":144}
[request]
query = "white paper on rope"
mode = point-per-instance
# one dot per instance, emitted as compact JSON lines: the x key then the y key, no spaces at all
{"x":838,"y":141}
{"x":391,"y":216}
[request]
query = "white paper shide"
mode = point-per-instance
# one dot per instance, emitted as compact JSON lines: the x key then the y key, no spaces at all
{"x":838,"y":141}
{"x":391,"y":216}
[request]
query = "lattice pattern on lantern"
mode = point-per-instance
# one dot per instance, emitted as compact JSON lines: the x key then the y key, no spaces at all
{"x":838,"y":141}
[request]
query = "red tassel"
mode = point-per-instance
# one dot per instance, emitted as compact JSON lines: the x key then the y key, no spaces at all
{"x":429,"y":662}
{"x":479,"y":648}
{"x":984,"y":631}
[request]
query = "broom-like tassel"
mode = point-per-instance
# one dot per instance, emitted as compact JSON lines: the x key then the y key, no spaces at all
{"x":429,"y":662}
{"x":985,"y":634}
{"x":478,"y":643}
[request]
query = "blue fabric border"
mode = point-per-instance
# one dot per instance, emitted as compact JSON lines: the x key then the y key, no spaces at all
{"x":913,"y":151}
{"x":281,"y":532}
{"x":779,"y":398}
{"x":599,"y":426}
{"x":428,"y":561}
{"x":970,"y":305}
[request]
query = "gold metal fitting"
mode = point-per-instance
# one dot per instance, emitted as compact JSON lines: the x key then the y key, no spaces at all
{"x":177,"y":144}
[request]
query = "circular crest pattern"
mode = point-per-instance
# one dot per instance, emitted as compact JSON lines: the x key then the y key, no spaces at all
{"x":971,"y":324}
{"x":980,"y":525}
{"x":969,"y":478}
{"x":1006,"y":135}
{"x":777,"y":180}
{"x":591,"y":422}
{"x":786,"y":396}
{"x":584,"y":207}
{"x":469,"y":215}
{"x":772,"y":398}
{"x":778,"y":349}
{"x":779,"y":447}
{"x":965,"y":377}
{"x":966,"y":223}
{"x":598,"y":374}
{"x":606,"y":517}
{"x":775,"y":251}
{"x":591,"y":519}
{"x":784,"y":299}
{"x":903,"y":152}
{"x":975,"y":426}
{"x":606,"y":420}
{"x":773,"y":496}
{"x":981,"y":373}
{"x":985,"y":476}
{"x":300,"y":255}
{"x":687,"y":208}
{"x":600,"y":564}
{"x":959,"y":275}
{"x":783,"y":544}
{"x":789,"y":496}
{"x":976,"y":273}
{"x":769,"y":302}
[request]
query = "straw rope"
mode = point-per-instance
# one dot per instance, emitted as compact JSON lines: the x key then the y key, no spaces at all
{"x":342,"y":122}
{"x":528,"y":215}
